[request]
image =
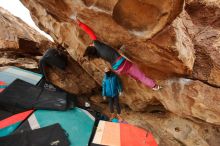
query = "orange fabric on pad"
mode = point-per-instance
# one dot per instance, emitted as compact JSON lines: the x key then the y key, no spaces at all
{"x":2,"y":86}
{"x":14,"y":119}
{"x":133,"y":136}
{"x":2,"y":83}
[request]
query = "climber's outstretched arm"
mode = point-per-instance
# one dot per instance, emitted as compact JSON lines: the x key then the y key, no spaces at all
{"x":87,"y":29}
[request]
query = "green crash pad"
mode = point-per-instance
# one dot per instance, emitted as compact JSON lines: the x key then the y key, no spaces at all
{"x":77,"y":122}
{"x":7,"y":76}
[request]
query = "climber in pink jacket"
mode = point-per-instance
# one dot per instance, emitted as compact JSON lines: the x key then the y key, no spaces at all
{"x":119,"y":64}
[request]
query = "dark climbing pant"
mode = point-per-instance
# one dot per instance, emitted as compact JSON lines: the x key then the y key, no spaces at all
{"x":114,"y":101}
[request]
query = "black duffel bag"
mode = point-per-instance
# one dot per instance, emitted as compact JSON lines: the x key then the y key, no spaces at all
{"x":21,"y":96}
{"x":52,"y":135}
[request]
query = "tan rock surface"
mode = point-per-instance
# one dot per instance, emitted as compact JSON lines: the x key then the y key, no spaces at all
{"x":166,"y":56}
{"x":206,"y":17}
{"x":17,"y":35}
{"x":167,"y":128}
{"x":19,"y":43}
{"x":171,"y":130}
{"x":74,"y":79}
{"x":10,"y":58}
{"x":22,"y":46}
{"x":182,"y":55}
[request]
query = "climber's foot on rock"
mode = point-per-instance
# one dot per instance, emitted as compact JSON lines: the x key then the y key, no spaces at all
{"x":157,"y":87}
{"x":112,"y":116}
{"x":120,"y":119}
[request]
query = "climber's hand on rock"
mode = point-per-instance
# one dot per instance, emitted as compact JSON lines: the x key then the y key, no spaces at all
{"x":104,"y":97}
{"x":122,"y":48}
{"x":157,"y":87}
{"x":120,"y":93}
{"x":77,"y":20}
{"x":73,"y":17}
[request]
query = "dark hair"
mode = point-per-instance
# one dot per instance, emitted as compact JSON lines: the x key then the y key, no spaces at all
{"x":109,"y":73}
{"x":91,"y":52}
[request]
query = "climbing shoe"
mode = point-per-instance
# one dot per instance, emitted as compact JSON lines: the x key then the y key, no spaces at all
{"x":157,"y":87}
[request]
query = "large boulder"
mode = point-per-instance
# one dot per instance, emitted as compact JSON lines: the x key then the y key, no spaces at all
{"x":165,"y":50}
{"x":22,"y":46}
{"x":206,"y":17}
{"x":17,"y":35}
{"x":19,"y":43}
{"x":172,"y":130}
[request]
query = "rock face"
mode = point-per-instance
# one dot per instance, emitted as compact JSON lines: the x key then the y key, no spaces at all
{"x":178,"y":47}
{"x":167,"y":42}
{"x":206,"y":38}
{"x":10,"y":58}
{"x":171,"y":130}
{"x":74,"y":79}
{"x":19,"y":43}
{"x":17,"y":35}
{"x":22,"y":46}
{"x":149,"y":17}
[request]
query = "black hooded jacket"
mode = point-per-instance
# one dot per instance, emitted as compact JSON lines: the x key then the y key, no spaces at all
{"x":106,"y":52}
